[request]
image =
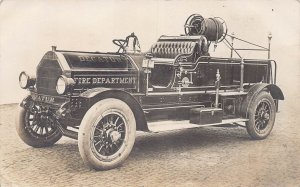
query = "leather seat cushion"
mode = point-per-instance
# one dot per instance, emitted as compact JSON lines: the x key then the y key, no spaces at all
{"x":169,"y":49}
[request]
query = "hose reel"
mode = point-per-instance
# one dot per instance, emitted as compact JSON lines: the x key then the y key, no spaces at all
{"x":214,"y":29}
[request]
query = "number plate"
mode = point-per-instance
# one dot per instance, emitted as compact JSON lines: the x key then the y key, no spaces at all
{"x":54,"y":100}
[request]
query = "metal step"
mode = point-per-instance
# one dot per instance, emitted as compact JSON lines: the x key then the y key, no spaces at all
{"x":170,"y":125}
{"x":67,"y":132}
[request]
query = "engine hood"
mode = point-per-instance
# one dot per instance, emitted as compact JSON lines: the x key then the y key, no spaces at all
{"x":88,"y":70}
{"x":97,"y":61}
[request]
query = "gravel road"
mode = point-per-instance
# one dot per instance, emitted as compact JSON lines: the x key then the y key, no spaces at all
{"x":194,"y":157}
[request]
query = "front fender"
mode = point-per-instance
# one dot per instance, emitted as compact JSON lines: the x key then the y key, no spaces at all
{"x":93,"y":92}
{"x":26,"y":102}
{"x":94,"y":95}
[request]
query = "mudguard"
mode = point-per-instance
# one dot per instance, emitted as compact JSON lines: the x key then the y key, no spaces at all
{"x":274,"y":90}
{"x":26,"y":102}
{"x":94,"y":95}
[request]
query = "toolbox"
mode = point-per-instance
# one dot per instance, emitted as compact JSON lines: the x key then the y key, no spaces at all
{"x":202,"y":116}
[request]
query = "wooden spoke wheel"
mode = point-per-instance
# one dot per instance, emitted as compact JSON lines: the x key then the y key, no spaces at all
{"x":107,"y":134}
{"x":37,"y":128}
{"x":261,"y":116}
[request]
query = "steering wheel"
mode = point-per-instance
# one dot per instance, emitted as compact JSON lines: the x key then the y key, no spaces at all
{"x":120,"y":43}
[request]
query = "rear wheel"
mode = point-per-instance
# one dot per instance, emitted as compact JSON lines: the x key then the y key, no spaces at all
{"x":107,"y":134}
{"x":37,"y":128}
{"x":261,"y":114}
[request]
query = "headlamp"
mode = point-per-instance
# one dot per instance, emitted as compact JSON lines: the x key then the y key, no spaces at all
{"x":26,"y":80}
{"x":63,"y":84}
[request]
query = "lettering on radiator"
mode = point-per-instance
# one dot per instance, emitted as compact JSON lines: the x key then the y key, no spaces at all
{"x":105,"y":80}
{"x":43,"y":98}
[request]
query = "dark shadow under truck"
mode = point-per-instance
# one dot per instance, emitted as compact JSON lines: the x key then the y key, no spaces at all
{"x":102,"y":99}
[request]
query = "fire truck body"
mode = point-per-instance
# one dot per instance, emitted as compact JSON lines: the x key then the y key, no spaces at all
{"x":101,"y":99}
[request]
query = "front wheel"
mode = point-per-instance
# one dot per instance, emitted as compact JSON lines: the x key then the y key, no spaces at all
{"x":37,"y":128}
{"x":261,"y":114}
{"x":106,"y":134}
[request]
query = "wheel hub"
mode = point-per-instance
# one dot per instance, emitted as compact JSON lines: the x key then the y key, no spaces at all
{"x":266,"y":116}
{"x":114,"y":136}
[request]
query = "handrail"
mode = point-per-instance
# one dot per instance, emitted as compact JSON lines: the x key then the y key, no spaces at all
{"x":260,"y":48}
{"x":248,"y":42}
{"x":231,"y":47}
{"x":275,"y":69}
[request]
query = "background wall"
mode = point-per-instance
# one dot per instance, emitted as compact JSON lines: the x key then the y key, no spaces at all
{"x":29,"y":28}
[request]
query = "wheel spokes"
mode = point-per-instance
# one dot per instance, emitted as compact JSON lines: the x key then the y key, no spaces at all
{"x":46,"y":129}
{"x":261,"y":115}
{"x":109,"y":134}
{"x":100,"y":148}
{"x":98,"y":142}
{"x":36,"y":128}
{"x":40,"y":125}
{"x":41,"y":130}
{"x":116,"y":121}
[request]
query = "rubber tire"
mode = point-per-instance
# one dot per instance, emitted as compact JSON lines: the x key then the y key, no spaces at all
{"x":28,"y":138}
{"x":250,"y":125}
{"x":85,"y":128}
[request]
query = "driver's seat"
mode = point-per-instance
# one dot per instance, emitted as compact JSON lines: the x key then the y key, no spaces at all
{"x":168,"y":51}
{"x":168,"y":48}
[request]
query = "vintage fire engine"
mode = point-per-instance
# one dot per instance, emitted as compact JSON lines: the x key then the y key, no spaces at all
{"x":102,"y":99}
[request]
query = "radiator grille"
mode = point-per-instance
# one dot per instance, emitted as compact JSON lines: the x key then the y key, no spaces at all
{"x":48,"y":72}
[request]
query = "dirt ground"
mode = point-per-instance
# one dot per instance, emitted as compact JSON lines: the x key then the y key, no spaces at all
{"x":195,"y":157}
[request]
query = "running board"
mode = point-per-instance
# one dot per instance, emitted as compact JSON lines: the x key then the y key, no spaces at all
{"x":68,"y":133}
{"x":162,"y":126}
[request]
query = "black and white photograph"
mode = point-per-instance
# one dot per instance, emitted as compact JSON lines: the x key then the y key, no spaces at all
{"x":149,"y":93}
